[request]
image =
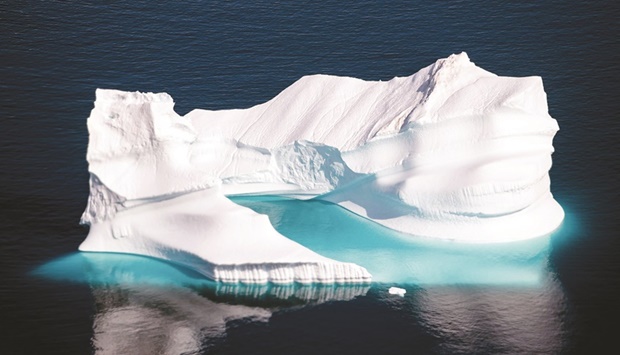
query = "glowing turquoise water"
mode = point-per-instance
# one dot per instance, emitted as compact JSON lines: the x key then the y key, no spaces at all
{"x":392,"y":257}
{"x":133,"y":271}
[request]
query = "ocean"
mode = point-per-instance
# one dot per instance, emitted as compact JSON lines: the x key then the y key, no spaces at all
{"x":235,"y":54}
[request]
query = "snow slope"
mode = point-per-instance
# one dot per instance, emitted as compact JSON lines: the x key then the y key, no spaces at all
{"x":451,"y":152}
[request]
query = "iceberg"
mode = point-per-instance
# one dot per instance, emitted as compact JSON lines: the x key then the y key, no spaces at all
{"x":451,"y":152}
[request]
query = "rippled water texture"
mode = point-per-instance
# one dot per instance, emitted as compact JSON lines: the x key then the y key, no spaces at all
{"x":551,"y":295}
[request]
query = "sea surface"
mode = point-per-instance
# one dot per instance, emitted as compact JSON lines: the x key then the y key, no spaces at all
{"x":564,"y":298}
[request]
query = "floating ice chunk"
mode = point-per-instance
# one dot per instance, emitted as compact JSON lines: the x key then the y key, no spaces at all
{"x":397,"y":291}
{"x":451,"y":152}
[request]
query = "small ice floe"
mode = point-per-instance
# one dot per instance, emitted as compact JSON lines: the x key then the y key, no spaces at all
{"x":397,"y":291}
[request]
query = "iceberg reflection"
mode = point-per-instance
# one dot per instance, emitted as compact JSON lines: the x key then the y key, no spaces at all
{"x":489,"y":319}
{"x":147,"y":305}
{"x":147,"y":319}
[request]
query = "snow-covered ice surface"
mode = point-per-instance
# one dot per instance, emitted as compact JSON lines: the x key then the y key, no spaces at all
{"x":451,"y":152}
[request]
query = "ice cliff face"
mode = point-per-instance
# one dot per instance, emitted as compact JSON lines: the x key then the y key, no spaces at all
{"x":451,"y":152}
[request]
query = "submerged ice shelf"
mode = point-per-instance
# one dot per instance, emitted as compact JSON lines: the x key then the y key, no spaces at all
{"x":451,"y":152}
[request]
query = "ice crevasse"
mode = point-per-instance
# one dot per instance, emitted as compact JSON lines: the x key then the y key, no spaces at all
{"x":451,"y":152}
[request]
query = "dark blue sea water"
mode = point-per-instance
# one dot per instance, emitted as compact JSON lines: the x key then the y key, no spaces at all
{"x":235,"y":54}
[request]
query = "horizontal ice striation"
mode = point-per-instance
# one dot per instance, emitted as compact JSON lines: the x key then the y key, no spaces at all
{"x":290,"y":272}
{"x":451,"y":152}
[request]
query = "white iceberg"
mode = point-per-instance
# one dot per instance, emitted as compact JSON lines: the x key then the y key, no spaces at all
{"x":451,"y":152}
